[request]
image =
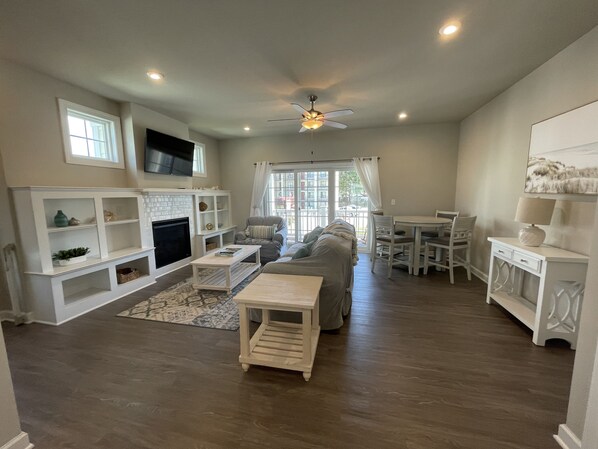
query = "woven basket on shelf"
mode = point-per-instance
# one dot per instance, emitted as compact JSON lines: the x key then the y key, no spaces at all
{"x":126,"y":275}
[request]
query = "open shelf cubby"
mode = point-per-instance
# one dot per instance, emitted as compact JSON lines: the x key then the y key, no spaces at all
{"x":85,"y":286}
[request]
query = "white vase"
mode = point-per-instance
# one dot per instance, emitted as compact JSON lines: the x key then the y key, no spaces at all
{"x":72,"y":261}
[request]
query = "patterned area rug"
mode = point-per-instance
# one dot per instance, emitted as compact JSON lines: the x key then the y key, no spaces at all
{"x":183,"y":304}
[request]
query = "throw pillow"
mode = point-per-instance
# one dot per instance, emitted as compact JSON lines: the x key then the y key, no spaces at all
{"x":260,"y":232}
{"x":304,"y":251}
{"x":313,"y":235}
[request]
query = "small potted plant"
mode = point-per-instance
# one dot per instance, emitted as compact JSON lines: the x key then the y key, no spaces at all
{"x":71,"y":256}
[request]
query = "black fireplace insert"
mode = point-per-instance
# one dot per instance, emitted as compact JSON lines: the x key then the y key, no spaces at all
{"x":172,"y":241}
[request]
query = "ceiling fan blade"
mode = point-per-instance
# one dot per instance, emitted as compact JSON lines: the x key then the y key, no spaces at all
{"x":334,"y":124}
{"x":338,"y":113}
{"x":303,"y":129}
{"x":300,"y":108}
{"x":284,"y":119}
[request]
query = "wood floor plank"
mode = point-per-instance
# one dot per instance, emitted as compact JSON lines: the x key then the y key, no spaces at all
{"x":419,"y":364}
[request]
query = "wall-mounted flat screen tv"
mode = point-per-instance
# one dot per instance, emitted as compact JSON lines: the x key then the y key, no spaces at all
{"x":168,"y":155}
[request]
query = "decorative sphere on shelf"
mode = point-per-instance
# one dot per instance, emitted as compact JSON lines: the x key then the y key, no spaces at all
{"x":209,"y":226}
{"x":203,"y":206}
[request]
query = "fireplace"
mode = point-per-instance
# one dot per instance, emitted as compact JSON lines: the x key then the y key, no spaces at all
{"x":172,"y":241}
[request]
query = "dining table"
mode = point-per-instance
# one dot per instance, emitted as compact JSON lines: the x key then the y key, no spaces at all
{"x":416,"y":223}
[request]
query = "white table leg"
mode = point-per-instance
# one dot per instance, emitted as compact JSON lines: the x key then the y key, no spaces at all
{"x":316,"y":314}
{"x":417,"y":249}
{"x":227,"y":272}
{"x":244,"y":332}
{"x":307,"y":325}
{"x":195,"y":274}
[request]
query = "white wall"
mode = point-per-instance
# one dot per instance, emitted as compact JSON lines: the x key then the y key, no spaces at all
{"x":494,"y":143}
{"x":10,"y":427}
{"x":586,"y":347}
{"x":418,"y":163}
{"x":212,"y":160}
{"x":493,"y":151}
{"x":139,"y":120}
{"x":7,"y":235}
{"x":135,"y":120}
{"x":30,"y":136}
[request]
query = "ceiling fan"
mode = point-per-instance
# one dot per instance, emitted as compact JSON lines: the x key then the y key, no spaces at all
{"x":313,"y":119}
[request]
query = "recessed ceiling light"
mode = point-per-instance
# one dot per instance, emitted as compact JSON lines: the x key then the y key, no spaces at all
{"x":450,"y":28}
{"x":402,"y":116}
{"x":156,"y":76}
{"x":247,"y":128}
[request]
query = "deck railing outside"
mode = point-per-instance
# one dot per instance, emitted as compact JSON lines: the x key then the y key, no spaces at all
{"x":311,"y":218}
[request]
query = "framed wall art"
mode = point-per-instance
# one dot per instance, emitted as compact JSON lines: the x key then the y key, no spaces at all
{"x":563,"y":153}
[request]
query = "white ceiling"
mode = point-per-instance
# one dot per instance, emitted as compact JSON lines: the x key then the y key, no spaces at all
{"x":229,"y":63}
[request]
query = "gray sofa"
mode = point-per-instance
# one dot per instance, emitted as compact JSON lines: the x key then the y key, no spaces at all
{"x":271,"y":249}
{"x":331,"y":257}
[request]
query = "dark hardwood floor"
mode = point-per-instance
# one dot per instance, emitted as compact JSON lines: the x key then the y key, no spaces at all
{"x":420,"y":364}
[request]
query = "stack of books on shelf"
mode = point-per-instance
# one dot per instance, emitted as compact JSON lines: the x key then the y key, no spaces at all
{"x":228,"y":252}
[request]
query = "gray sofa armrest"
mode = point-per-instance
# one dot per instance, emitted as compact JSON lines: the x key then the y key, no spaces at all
{"x":240,"y":236}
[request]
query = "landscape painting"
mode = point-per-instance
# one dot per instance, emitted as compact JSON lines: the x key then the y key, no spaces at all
{"x":563,"y":153}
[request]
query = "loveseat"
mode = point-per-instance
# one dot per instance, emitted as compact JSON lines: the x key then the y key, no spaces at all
{"x":332,"y":256}
{"x":273,"y":247}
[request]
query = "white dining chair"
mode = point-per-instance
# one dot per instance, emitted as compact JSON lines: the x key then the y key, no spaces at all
{"x":458,"y":240}
{"x":392,"y":248}
{"x":450,"y":214}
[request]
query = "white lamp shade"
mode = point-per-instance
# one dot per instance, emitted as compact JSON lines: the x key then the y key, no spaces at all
{"x":534,"y":210}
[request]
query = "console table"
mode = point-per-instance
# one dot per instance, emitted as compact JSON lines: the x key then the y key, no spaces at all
{"x":561,"y":278}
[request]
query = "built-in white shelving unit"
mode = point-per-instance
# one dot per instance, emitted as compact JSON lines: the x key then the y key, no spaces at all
{"x":110,"y":227}
{"x":214,"y":224}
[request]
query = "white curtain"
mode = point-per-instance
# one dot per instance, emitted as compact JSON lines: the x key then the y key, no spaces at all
{"x":367,"y":170}
{"x":260,"y":183}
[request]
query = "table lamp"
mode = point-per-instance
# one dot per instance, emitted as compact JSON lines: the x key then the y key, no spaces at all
{"x":534,"y":211}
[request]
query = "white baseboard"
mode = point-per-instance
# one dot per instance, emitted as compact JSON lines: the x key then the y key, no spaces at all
{"x":21,"y":441}
{"x":566,"y":438}
{"x":479,"y":274}
{"x":172,"y":267}
{"x":8,"y":315}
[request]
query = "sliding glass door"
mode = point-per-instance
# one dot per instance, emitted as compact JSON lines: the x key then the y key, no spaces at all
{"x":310,"y":198}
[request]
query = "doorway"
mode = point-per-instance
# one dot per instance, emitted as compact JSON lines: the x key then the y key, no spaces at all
{"x":307,"y":198}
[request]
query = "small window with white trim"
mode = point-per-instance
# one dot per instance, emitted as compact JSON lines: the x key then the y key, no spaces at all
{"x":90,"y":137}
{"x":199,"y":160}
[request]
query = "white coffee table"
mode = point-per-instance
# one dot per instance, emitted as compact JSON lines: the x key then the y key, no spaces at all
{"x":230,"y":270}
{"x":278,"y":344}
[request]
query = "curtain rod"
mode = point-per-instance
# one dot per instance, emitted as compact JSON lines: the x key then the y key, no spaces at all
{"x":315,"y":162}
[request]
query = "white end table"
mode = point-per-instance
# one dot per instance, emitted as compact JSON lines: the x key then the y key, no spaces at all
{"x":278,"y":344}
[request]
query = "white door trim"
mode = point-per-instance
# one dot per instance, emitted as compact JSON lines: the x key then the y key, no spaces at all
{"x":21,"y":441}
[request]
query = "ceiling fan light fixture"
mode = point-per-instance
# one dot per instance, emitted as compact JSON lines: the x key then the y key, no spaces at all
{"x":450,"y":28}
{"x":312,"y":124}
{"x":155,"y":75}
